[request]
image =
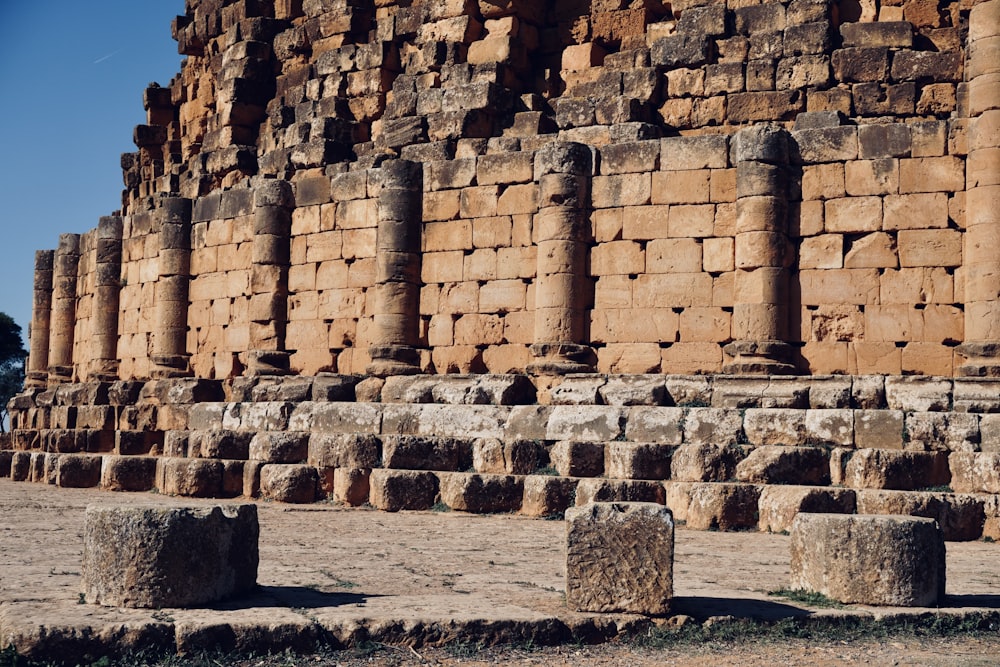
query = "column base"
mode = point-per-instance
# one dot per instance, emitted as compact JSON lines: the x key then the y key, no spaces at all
{"x":393,"y":360}
{"x":36,"y":380}
{"x":770,"y":357}
{"x":59,"y":375}
{"x":167,"y":366}
{"x":561,"y":359}
{"x":267,"y":362}
{"x":982,"y":359}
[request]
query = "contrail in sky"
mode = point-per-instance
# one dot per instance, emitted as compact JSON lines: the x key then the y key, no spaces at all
{"x":110,"y":55}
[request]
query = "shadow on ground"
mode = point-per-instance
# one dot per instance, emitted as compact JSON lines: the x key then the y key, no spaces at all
{"x":703,"y":607}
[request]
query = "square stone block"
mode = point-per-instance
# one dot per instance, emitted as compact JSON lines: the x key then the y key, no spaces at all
{"x":620,"y":558}
{"x":869,"y":559}
{"x":155,"y":557}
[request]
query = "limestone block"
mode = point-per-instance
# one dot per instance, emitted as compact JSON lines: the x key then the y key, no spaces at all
{"x":655,"y":424}
{"x":155,"y":557}
{"x":942,"y":431}
{"x":891,"y":469}
{"x":200,"y":478}
{"x":878,"y":429}
{"x":511,"y":457}
{"x":918,"y":394}
{"x":347,"y":418}
{"x":775,"y":426}
{"x":413,"y":452}
{"x":778,"y":505}
{"x":269,"y":416}
{"x":634,"y":390}
{"x":395,"y":490}
{"x":344,"y":450}
{"x":594,"y":423}
{"x":723,"y":506}
{"x":289,"y":483}
{"x":577,"y":458}
{"x":593,"y":490}
{"x":20,"y":464}
{"x":772,"y":464}
{"x":546,"y":495}
{"x":128,"y":473}
{"x":619,"y":558}
{"x":876,"y":560}
{"x":960,"y":516}
{"x":975,"y":472}
{"x":219,"y":444}
{"x":705,"y":462}
{"x":481,"y":493}
{"x":578,"y":390}
{"x":976,"y":395}
{"x":77,"y":471}
{"x":712,"y":426}
{"x":637,"y":460}
{"x":351,"y":485}
{"x":279,"y":447}
{"x":830,"y":427}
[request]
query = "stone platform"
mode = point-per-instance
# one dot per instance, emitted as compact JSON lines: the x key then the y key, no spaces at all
{"x":416,"y":578}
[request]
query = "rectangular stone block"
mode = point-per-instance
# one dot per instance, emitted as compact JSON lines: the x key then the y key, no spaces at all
{"x":619,"y":558}
{"x":876,"y":560}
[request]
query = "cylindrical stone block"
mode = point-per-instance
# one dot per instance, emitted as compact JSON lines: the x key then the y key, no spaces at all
{"x":558,"y":256}
{"x":755,"y":179}
{"x":869,"y":559}
{"x":155,"y":557}
{"x":397,"y":267}
{"x":272,"y":220}
{"x":760,"y":249}
{"x":761,"y":214}
{"x":63,"y":318}
{"x":620,"y":558}
{"x":41,"y":314}
{"x":557,"y":223}
{"x":763,"y":142}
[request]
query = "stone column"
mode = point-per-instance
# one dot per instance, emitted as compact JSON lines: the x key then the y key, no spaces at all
{"x":760,"y":308}
{"x":272,"y":231}
{"x":170,"y":357}
{"x":981,"y":263}
{"x":41,"y":313}
{"x":397,"y":278}
{"x":63,"y":320}
{"x":107,"y":286}
{"x":562,"y":295}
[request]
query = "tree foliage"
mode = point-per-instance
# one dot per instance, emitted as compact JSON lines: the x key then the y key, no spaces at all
{"x":12,"y":355}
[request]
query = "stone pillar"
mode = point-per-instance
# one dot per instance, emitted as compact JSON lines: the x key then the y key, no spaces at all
{"x":562,"y":296}
{"x":63,"y":320}
{"x":272,"y":231}
{"x":763,"y":254}
{"x":397,"y":278}
{"x":107,"y":286}
{"x":170,"y":357}
{"x":41,"y":313}
{"x":981,"y":263}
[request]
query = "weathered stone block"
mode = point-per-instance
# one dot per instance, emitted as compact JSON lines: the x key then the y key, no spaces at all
{"x":344,"y":450}
{"x":778,"y":505}
{"x":78,"y":471}
{"x":773,"y":464}
{"x":511,"y":457}
{"x":395,"y":490}
{"x":546,"y":495}
{"x":289,"y":483}
{"x":705,"y":463}
{"x":960,"y":516}
{"x":481,"y":493}
{"x":594,"y":490}
{"x":186,"y":477}
{"x":351,"y":485}
{"x":891,"y":469}
{"x":975,"y":472}
{"x":619,"y":558}
{"x":638,"y":460}
{"x":876,"y":560}
{"x":155,"y":557}
{"x":655,"y":424}
{"x":279,"y":447}
{"x":574,"y":458}
{"x":723,"y":506}
{"x":128,"y":473}
{"x":712,"y":426}
{"x":412,"y":452}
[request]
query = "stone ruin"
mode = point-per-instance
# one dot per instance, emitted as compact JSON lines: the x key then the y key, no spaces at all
{"x":508,"y":255}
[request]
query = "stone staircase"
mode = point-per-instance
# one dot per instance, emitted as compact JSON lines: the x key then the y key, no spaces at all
{"x":723,"y":452}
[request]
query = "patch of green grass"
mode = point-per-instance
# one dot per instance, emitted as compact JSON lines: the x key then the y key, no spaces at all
{"x":440,"y":507}
{"x":808,"y":598}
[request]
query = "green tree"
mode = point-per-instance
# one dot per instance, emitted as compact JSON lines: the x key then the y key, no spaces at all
{"x":12,"y":355}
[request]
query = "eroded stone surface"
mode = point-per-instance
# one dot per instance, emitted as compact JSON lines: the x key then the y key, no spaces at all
{"x":619,"y":557}
{"x":870,"y":559}
{"x":155,"y":557}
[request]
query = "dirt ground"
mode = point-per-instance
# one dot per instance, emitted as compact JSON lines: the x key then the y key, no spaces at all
{"x":324,"y":565}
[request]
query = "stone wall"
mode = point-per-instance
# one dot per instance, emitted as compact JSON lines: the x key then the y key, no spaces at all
{"x":621,"y":187}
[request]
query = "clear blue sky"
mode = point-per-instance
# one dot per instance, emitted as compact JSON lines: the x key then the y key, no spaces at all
{"x":71,"y":80}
